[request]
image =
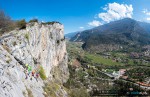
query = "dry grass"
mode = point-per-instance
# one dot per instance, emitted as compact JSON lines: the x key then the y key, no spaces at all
{"x":6,"y":48}
{"x":29,"y":93}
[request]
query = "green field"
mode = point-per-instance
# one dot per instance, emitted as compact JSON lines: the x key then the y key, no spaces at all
{"x":100,"y":60}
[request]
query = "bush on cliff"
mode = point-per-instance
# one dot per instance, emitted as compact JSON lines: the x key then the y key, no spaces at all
{"x":6,"y":24}
{"x":42,"y":73}
{"x":50,"y":23}
{"x":80,"y":92}
{"x":27,"y":36}
{"x":21,"y":24}
{"x":33,"y":20}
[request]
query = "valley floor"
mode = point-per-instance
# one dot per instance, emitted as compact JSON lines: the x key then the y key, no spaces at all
{"x":114,"y":71}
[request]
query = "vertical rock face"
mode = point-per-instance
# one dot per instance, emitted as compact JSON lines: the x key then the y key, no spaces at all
{"x":37,"y":45}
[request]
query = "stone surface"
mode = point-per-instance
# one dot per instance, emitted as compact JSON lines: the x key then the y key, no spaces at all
{"x":37,"y":45}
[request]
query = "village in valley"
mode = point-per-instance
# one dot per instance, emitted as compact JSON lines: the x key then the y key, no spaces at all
{"x":124,"y":69}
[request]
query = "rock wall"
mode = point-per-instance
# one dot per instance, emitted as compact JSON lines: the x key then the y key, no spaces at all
{"x":37,"y":45}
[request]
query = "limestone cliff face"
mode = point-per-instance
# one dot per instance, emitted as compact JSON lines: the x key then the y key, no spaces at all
{"x":37,"y":45}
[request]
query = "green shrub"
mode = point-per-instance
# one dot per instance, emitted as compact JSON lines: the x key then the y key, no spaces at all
{"x":27,"y":36}
{"x":8,"y":60}
{"x":42,"y":73}
{"x":91,"y":73}
{"x":79,"y":93}
{"x":14,"y":43}
{"x":51,"y":88}
{"x":69,"y":83}
{"x":51,"y":23}
{"x":33,"y":20}
{"x":21,"y":24}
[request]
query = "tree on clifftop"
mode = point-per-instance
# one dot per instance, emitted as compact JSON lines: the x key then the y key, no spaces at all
{"x":6,"y":24}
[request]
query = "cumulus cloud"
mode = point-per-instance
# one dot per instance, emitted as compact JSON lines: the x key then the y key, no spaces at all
{"x":95,"y":23}
{"x":115,"y":11}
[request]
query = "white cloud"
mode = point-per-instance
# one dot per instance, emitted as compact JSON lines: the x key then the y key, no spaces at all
{"x":81,"y":27}
{"x":95,"y":23}
{"x":146,"y":12}
{"x":116,"y":11}
{"x":148,"y":19}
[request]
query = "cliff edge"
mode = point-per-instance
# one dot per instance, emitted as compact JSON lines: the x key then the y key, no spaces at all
{"x":38,"y":46}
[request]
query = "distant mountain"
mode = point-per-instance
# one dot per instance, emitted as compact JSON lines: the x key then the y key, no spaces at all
{"x":115,"y":35}
{"x":146,"y":26}
{"x":70,"y":35}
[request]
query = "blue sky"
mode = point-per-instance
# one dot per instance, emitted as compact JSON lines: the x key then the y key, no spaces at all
{"x":77,"y":15}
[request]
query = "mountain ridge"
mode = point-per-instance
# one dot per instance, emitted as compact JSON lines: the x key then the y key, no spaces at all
{"x":122,"y":32}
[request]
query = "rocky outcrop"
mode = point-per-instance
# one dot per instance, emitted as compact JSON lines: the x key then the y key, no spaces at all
{"x":37,"y":45}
